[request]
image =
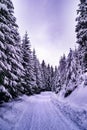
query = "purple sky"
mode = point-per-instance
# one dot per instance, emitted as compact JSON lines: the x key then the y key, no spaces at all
{"x":50,"y":25}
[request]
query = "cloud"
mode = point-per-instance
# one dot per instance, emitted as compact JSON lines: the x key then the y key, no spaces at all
{"x":51,"y":26}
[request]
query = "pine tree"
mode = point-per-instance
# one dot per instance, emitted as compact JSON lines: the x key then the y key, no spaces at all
{"x":29,"y":77}
{"x":81,"y":30}
{"x":44,"y":75}
{"x":9,"y":41}
{"x":49,"y":78}
{"x":53,"y":78}
{"x":60,"y":74}
{"x":37,"y":72}
{"x":72,"y":72}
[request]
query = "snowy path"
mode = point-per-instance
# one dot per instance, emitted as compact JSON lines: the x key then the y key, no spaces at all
{"x":34,"y":113}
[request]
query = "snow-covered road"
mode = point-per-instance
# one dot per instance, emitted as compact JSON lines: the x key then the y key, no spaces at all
{"x":36,"y":112}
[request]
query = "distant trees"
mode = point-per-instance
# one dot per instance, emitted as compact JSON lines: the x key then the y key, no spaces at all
{"x":47,"y":76}
{"x":60,"y":75}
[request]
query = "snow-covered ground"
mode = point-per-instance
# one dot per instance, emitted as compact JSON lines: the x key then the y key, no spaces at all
{"x":75,"y":106}
{"x":39,"y":112}
{"x":78,"y":97}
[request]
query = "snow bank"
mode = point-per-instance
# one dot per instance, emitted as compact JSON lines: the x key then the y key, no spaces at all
{"x":73,"y":107}
{"x":79,"y":96}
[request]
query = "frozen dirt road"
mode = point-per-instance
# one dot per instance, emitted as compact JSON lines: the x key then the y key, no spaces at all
{"x":37,"y":112}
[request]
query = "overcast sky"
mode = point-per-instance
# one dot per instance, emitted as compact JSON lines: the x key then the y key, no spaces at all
{"x":50,"y":25}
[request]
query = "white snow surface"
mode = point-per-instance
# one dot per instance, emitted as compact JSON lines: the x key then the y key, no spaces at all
{"x":4,"y":7}
{"x":75,"y":105}
{"x":78,"y":97}
{"x":38,"y":112}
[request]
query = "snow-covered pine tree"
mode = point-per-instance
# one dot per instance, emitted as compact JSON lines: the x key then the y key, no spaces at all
{"x":69,"y":67}
{"x":72,"y":72}
{"x":29,"y":77}
{"x":54,"y":75}
{"x":60,"y":76}
{"x":20,"y":69}
{"x":9,"y":40}
{"x":48,"y":77}
{"x":37,"y":73}
{"x":52,"y":72}
{"x":77,"y":68}
{"x":81,"y":30}
{"x":44,"y":75}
